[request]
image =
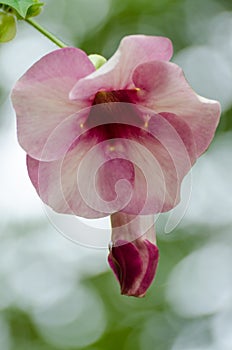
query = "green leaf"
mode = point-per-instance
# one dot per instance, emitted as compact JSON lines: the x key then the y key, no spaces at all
{"x":21,"y":6}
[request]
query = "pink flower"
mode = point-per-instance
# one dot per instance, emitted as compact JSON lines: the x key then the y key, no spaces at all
{"x":114,"y":141}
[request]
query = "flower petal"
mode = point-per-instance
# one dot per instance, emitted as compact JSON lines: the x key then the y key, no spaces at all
{"x":161,"y":152}
{"x":58,"y":185}
{"x":115,"y":167}
{"x":75,"y":184}
{"x":116,"y":73}
{"x":164,"y":89}
{"x":41,"y":96}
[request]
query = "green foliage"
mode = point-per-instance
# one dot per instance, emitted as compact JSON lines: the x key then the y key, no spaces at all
{"x":23,"y":6}
{"x":225,"y":122}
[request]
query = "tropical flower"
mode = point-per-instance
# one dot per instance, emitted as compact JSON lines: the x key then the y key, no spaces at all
{"x":114,"y":141}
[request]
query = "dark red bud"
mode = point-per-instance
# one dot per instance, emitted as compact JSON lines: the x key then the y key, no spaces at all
{"x":134,"y":264}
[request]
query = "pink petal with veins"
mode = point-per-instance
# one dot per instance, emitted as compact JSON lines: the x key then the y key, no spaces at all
{"x":56,"y":181}
{"x":41,"y":97}
{"x":137,"y":170}
{"x":116,"y":73}
{"x":164,"y":89}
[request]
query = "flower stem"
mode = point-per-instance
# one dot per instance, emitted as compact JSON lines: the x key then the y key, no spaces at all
{"x":50,"y":36}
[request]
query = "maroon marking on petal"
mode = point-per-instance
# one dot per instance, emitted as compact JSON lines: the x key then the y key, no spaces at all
{"x":114,"y":112}
{"x":129,"y":96}
{"x":116,"y":106}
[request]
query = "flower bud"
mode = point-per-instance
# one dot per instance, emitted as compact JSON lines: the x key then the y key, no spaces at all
{"x":134,"y":264}
{"x":133,"y":254}
{"x":34,"y":10}
{"x":97,"y":60}
{"x":7,"y":27}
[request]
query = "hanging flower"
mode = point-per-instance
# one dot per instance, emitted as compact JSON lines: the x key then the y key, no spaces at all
{"x":114,"y":141}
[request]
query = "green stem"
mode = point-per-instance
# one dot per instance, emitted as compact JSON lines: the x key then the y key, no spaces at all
{"x":50,"y":36}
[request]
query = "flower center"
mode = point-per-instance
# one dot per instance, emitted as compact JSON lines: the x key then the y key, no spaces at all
{"x":106,"y":113}
{"x":128,"y":96}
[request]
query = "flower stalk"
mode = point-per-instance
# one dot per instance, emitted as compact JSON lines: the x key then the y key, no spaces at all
{"x":46,"y":33}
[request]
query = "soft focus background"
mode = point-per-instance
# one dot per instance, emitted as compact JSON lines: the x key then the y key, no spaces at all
{"x":55,"y":294}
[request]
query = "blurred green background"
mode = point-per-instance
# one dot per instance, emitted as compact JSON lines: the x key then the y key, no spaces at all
{"x":55,"y":294}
